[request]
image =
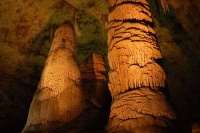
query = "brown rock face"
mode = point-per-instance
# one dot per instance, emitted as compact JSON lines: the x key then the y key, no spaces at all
{"x":135,"y":76}
{"x":94,"y":118}
{"x":94,"y":80}
{"x":59,"y":98}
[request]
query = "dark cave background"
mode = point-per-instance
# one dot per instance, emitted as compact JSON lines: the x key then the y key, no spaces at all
{"x":27,"y":28}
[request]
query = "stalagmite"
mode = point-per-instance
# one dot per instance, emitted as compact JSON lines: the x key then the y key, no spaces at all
{"x":135,"y":78}
{"x":59,"y":98}
{"x":94,"y":80}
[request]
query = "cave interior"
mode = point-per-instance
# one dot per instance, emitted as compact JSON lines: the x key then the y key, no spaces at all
{"x":27,"y":29}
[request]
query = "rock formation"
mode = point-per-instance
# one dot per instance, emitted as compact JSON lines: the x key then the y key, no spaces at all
{"x":95,"y":89}
{"x":27,"y":30}
{"x":59,"y":98}
{"x":135,"y":76}
{"x":93,"y":77}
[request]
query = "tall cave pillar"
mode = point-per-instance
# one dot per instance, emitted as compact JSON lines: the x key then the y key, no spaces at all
{"x":135,"y":77}
{"x":59,"y":98}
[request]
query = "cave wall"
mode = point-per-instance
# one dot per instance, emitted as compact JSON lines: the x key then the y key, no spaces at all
{"x":178,"y":36}
{"x":26,"y":32}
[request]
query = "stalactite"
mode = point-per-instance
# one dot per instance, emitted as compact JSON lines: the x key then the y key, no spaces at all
{"x":59,"y":97}
{"x":164,"y":4}
{"x":77,"y":27}
{"x":72,"y":12}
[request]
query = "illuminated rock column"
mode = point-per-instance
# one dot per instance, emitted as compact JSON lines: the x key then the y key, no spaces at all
{"x":59,"y":98}
{"x":135,"y":77}
{"x":94,"y":80}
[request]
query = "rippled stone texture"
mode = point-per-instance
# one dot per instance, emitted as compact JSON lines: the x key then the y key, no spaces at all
{"x":135,"y":76}
{"x":59,"y":98}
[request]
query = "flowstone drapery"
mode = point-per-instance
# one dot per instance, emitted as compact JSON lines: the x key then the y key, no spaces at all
{"x":135,"y":76}
{"x":59,"y":98}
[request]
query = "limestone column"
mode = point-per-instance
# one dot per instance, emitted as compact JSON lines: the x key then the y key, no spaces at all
{"x":135,"y":77}
{"x":59,"y":98}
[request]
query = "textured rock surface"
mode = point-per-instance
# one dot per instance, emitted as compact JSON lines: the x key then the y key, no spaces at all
{"x":135,"y":75}
{"x":26,"y":32}
{"x":59,"y":97}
